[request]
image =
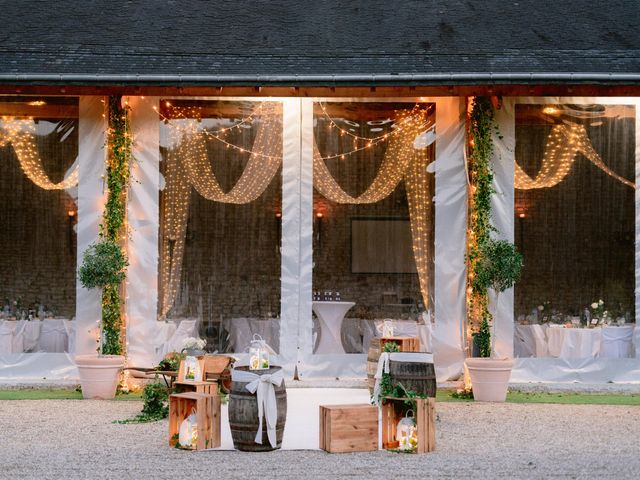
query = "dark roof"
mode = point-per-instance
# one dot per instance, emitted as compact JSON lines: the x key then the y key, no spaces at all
{"x":319,"y":41}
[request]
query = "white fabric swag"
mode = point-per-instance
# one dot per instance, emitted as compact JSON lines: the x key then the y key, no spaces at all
{"x":401,"y":161}
{"x":563,"y":145}
{"x":21,"y":135}
{"x":188,"y":165}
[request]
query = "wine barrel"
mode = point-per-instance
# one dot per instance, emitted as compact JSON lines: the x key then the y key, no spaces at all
{"x":372,"y":362}
{"x":419,"y":377}
{"x":243,"y":415}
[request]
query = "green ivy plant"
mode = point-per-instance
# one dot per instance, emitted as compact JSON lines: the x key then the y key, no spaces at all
{"x":494,"y":264}
{"x":103,"y":266}
{"x":156,"y":397}
{"x":498,"y":268}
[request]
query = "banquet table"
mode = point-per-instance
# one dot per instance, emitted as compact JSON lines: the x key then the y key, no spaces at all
{"x":51,"y":335}
{"x":331,"y":315}
{"x":574,"y":342}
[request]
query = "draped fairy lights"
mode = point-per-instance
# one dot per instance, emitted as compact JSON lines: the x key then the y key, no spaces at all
{"x":563,"y":145}
{"x":263,"y":164}
{"x":402,"y":161}
{"x":21,"y":135}
{"x":188,"y":165}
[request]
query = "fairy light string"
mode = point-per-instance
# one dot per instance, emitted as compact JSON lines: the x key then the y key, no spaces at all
{"x":563,"y":144}
{"x":22,"y":137}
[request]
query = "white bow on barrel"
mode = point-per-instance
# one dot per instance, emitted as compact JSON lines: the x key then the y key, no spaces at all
{"x":262,"y":386}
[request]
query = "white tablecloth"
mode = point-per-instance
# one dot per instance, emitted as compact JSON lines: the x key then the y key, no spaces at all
{"x":330,"y":315}
{"x":530,"y":341}
{"x":52,"y":335}
{"x":617,"y":342}
{"x":574,"y":342}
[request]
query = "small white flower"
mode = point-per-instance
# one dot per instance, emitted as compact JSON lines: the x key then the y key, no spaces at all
{"x":541,"y":307}
{"x":594,"y":305}
{"x":192,"y":342}
{"x":600,"y":302}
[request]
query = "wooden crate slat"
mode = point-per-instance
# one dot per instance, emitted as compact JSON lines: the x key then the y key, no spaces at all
{"x":348,"y":428}
{"x":207,"y":409}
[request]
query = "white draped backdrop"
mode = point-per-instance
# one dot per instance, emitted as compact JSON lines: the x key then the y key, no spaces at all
{"x":296,"y":150}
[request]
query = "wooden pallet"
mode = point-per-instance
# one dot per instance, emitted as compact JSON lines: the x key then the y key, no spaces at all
{"x":348,"y":428}
{"x":210,"y":388}
{"x":207,"y":408}
{"x":393,"y":409}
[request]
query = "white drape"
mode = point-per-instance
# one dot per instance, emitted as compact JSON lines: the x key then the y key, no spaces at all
{"x":188,"y":164}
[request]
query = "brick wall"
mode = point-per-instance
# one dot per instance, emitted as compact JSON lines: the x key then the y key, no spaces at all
{"x":578,"y":237}
{"x":37,"y":241}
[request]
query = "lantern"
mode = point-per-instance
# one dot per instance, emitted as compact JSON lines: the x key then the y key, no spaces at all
{"x":258,"y":354}
{"x":406,"y":433}
{"x":192,"y":370}
{"x":188,"y":434}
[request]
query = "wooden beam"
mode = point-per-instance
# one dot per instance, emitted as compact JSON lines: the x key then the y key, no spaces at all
{"x":333,"y":92}
{"x":24,"y":110}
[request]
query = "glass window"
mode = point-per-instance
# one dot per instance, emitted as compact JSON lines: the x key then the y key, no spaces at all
{"x":38,"y":180}
{"x":575,"y":225}
{"x":220,"y":222}
{"x":373,"y":222}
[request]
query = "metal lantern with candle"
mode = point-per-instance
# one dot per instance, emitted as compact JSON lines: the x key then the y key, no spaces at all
{"x":407,"y":433}
{"x":258,"y":353}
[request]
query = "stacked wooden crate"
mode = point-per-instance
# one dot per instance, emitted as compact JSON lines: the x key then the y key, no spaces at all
{"x":201,"y":397}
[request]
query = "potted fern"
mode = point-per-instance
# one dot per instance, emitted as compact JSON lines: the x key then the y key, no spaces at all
{"x":103,"y":267}
{"x":498,"y":267}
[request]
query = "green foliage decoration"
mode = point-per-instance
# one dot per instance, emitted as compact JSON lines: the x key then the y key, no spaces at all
{"x":103,"y":266}
{"x":156,"y":407}
{"x":492,"y":263}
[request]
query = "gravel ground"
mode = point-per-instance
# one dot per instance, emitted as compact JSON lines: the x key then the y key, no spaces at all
{"x":76,"y":439}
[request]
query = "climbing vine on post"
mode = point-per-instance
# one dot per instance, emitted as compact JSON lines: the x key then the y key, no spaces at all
{"x":481,"y":126}
{"x":113,"y":227}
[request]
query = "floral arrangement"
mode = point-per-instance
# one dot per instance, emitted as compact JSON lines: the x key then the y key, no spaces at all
{"x":192,"y":343}
{"x":598,"y":311}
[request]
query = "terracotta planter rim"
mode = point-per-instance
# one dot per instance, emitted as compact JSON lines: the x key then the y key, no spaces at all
{"x":99,"y":361}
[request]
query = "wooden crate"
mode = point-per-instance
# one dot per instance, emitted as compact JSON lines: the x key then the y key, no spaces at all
{"x":393,"y":409}
{"x":406,"y":344}
{"x":207,"y":409}
{"x":348,"y":428}
{"x":210,"y":388}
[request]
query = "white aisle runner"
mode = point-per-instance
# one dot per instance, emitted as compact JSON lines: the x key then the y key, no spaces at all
{"x":302,"y":430}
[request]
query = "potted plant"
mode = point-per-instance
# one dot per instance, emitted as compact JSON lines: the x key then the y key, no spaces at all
{"x":498,"y":267}
{"x":103,"y":266}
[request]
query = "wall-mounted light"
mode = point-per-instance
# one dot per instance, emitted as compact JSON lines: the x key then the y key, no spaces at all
{"x":550,"y":110}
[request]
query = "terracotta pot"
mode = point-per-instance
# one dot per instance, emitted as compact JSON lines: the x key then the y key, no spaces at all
{"x":99,"y":375}
{"x":489,"y":378}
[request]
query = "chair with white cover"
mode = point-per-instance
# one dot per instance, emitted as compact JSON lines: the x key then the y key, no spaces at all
{"x":617,"y":342}
{"x":17,"y":343}
{"x":241,"y":331}
{"x":7,"y":328}
{"x":53,"y":336}
{"x":187,"y":328}
{"x":70,"y":327}
{"x":524,"y":344}
{"x":31,"y":335}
